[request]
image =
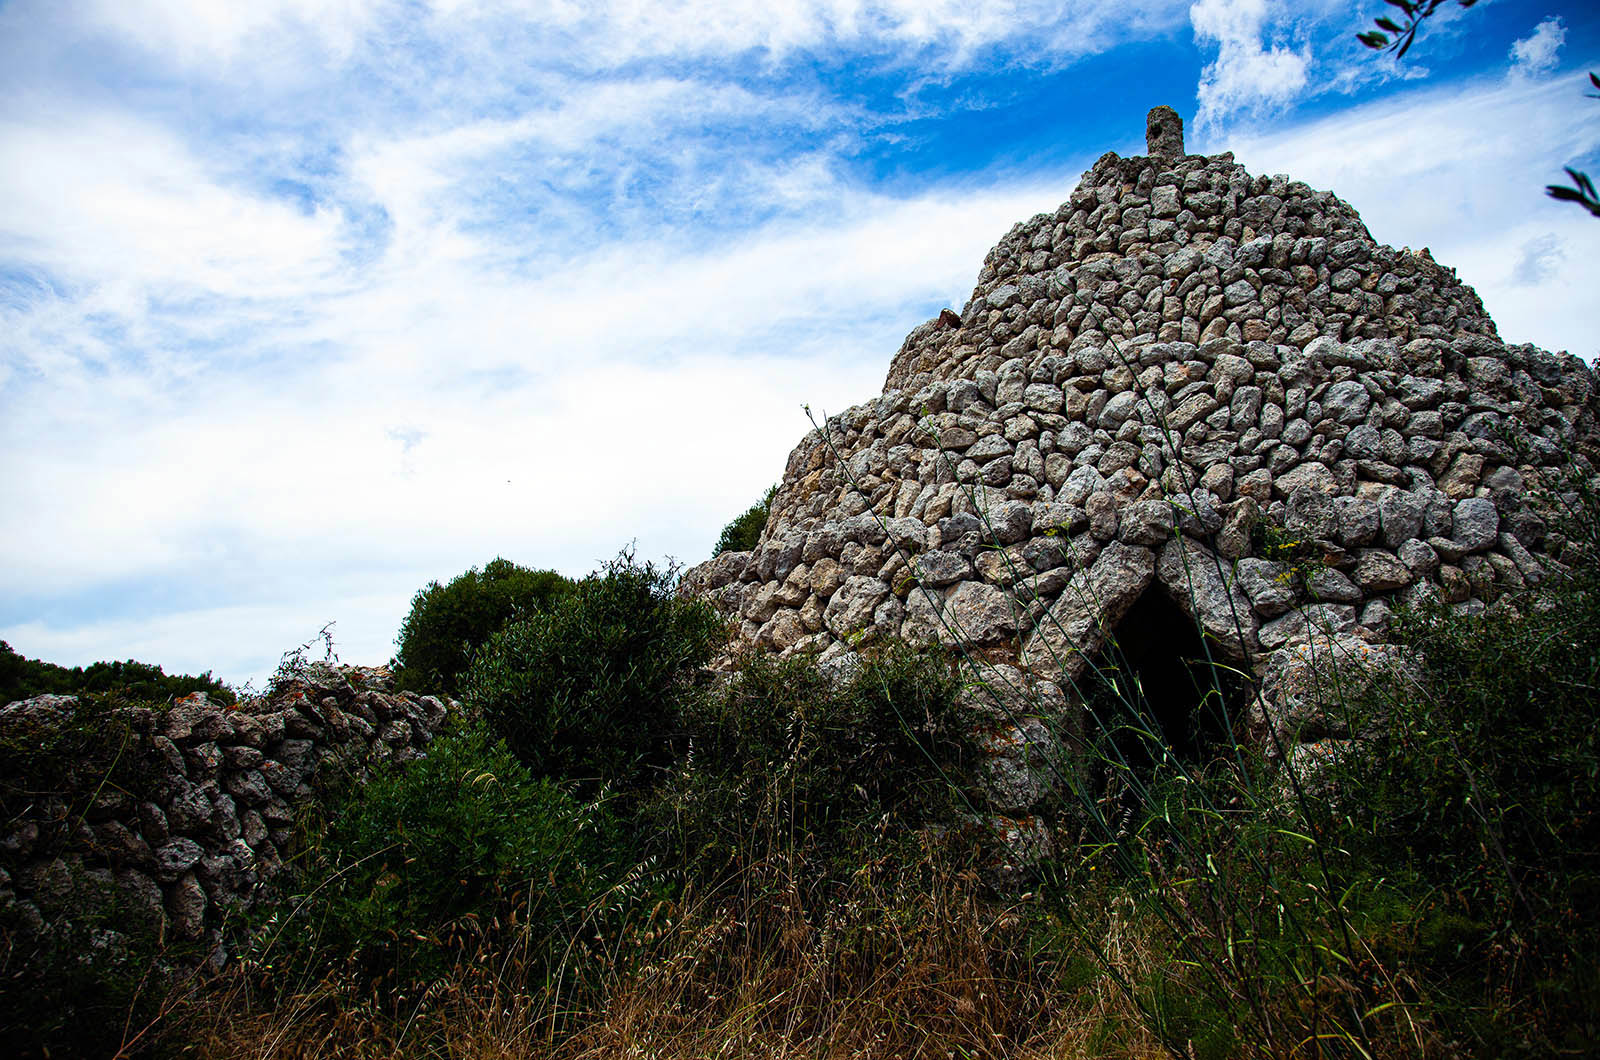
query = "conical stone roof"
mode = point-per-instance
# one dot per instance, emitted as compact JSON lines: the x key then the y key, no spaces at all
{"x":1185,"y":377}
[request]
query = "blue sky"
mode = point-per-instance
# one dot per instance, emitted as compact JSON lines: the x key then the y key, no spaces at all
{"x":304,"y":303}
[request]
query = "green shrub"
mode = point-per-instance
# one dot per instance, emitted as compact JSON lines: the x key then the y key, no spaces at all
{"x":83,"y":987}
{"x":742,"y":534}
{"x":1478,"y":796}
{"x":1489,"y":776}
{"x":590,"y":688}
{"x":784,"y":759}
{"x":21,"y":678}
{"x":1475,"y":795}
{"x":417,"y":867}
{"x":448,"y":623}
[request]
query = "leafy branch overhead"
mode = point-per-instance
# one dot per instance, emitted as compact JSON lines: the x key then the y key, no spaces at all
{"x":1396,"y":38}
{"x":1582,"y":192}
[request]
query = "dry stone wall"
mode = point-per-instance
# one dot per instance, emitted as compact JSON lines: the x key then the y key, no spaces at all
{"x":1188,"y":378}
{"x":204,"y":818}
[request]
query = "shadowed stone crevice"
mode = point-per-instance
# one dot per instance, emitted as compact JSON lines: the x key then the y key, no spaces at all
{"x":1155,"y":671}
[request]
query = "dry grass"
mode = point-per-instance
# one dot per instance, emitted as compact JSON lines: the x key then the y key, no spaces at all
{"x":894,"y":962}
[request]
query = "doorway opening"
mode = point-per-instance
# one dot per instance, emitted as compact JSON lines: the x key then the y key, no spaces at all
{"x":1154,"y":697}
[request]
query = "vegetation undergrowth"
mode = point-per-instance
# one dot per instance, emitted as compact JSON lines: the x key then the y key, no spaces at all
{"x":771,"y":854}
{"x":623,"y":855}
{"x":1421,"y":881}
{"x":744,"y":532}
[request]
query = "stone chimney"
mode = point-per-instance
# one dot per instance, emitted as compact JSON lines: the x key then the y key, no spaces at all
{"x":1163,"y":133}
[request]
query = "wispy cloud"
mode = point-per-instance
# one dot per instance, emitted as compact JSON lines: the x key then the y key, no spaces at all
{"x":608,"y":34}
{"x":1538,"y":53}
{"x":299,"y":423}
{"x":1541,"y":257}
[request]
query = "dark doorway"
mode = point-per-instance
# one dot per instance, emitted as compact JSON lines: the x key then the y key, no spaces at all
{"x":1152,"y":691}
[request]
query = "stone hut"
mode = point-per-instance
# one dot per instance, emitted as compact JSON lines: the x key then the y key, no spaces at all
{"x":1189,"y":401}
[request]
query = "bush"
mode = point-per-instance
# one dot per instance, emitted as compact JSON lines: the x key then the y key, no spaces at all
{"x":590,"y":688}
{"x":447,"y":624}
{"x":742,"y":534}
{"x":784,"y":757}
{"x":1478,"y":794}
{"x":82,"y":988}
{"x":418,"y":867}
{"x":22,"y":678}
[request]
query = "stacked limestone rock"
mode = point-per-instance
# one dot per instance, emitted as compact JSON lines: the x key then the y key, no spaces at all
{"x":218,"y":791}
{"x":1166,"y":382}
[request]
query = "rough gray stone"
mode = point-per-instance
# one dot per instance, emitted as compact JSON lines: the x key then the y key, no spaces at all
{"x":1358,"y":521}
{"x":1089,"y":607}
{"x":1307,"y":621}
{"x":850,"y":609}
{"x":1306,"y":688}
{"x":1146,"y":523}
{"x":1327,"y":585}
{"x":1378,"y":571}
{"x":1009,"y":521}
{"x":981,"y":614}
{"x":1019,"y":764}
{"x":1059,"y":518}
{"x":1202,"y":584}
{"x":175,"y":858}
{"x":1477,"y":524}
{"x":939,"y":568}
{"x":1309,"y":477}
{"x":1311,"y":513}
{"x":1400,"y":515}
{"x":1163,"y":133}
{"x":186,"y":908}
{"x":1419,"y":558}
{"x":1268,"y":584}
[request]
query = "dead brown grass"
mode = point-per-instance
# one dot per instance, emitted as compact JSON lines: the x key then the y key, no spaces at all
{"x":894,"y":962}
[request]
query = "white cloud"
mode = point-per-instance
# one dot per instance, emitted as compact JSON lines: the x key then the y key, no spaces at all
{"x":1538,"y":53}
{"x":1540,"y":259}
{"x":1247,"y":75}
{"x":104,"y":193}
{"x":455,"y":398}
{"x":955,"y":32}
{"x":264,"y":40}
{"x":227,"y":35}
